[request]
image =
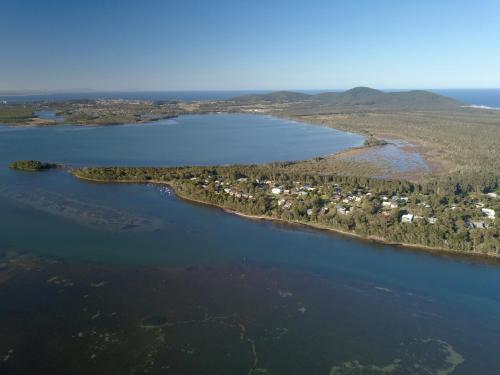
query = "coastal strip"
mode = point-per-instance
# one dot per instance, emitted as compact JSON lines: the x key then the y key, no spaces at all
{"x":295,"y":223}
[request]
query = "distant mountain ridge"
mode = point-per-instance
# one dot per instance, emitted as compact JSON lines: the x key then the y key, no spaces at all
{"x":358,"y":96}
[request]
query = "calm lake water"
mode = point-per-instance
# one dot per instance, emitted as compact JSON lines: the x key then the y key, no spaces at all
{"x":174,"y":287}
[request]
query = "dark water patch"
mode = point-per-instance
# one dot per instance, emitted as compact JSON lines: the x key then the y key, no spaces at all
{"x":97,"y":216}
{"x":227,"y":319}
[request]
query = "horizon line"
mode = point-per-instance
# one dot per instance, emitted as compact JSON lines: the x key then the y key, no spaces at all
{"x":41,"y":92}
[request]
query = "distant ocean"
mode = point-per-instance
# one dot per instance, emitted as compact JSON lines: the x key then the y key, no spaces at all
{"x":132,"y":95}
{"x":479,"y":97}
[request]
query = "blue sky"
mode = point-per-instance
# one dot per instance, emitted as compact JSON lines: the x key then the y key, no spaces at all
{"x":217,"y":45}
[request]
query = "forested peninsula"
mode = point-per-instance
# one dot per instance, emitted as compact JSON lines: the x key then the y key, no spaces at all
{"x":437,"y":214}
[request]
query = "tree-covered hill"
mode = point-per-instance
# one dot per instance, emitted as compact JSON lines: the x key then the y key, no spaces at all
{"x":358,"y":96}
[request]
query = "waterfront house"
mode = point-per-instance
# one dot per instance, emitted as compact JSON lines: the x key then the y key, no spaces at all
{"x":407,"y":218}
{"x":342,"y":210}
{"x":477,"y":225}
{"x":388,"y":205}
{"x":276,"y":190}
{"x":488,"y":212}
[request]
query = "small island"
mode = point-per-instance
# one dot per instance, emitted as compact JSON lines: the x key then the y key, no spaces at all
{"x":32,"y":165}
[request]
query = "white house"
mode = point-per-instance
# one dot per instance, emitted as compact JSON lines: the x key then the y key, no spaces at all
{"x":488,"y":212}
{"x":342,"y":210}
{"x":476,"y":224}
{"x":432,"y":220}
{"x":276,"y":190}
{"x":492,"y":195}
{"x":388,"y":204}
{"x":407,"y":218}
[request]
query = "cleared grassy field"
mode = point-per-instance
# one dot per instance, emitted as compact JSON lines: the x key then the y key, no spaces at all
{"x":15,"y":114}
